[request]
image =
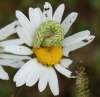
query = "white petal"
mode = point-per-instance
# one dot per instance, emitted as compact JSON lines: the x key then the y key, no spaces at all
{"x":4,"y":35}
{"x":10,"y":26}
{"x":22,"y":50}
{"x":43,"y":79}
{"x":53,"y":81}
{"x":8,"y":30}
{"x":75,"y":38}
{"x":77,"y":45}
{"x":25,"y":69}
{"x":14,"y":57}
{"x":25,"y":36}
{"x":35,"y":16}
{"x":63,"y":70}
{"x":65,"y":62}
{"x":25,"y":23}
{"x":34,"y":75}
{"x":11,"y":42}
{"x":21,"y":81}
{"x":58,"y":13}
{"x":47,"y":13}
{"x":12,"y":63}
{"x":69,"y":21}
{"x":3,"y":74}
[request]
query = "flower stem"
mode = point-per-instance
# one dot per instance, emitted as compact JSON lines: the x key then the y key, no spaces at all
{"x":18,"y":91}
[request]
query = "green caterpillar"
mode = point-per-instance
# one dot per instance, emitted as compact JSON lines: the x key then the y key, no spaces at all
{"x":53,"y":40}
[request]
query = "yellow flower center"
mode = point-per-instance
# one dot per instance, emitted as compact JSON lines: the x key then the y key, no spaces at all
{"x":48,"y":55}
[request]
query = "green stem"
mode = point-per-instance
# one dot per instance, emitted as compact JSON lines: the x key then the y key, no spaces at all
{"x":18,"y":91}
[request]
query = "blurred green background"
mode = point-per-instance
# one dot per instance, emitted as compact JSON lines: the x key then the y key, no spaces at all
{"x":88,"y":19}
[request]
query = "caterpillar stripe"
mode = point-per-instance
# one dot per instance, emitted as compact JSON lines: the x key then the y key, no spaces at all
{"x":49,"y":26}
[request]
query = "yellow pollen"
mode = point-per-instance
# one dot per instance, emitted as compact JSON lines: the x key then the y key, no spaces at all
{"x":48,"y":55}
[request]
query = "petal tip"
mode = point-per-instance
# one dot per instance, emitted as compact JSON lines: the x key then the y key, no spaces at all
{"x":40,"y":90}
{"x":17,"y":11}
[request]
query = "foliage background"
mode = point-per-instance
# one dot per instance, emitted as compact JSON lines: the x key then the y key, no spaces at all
{"x":88,"y":19}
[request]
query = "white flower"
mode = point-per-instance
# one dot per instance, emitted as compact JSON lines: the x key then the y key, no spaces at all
{"x":42,"y":66}
{"x":7,"y":59}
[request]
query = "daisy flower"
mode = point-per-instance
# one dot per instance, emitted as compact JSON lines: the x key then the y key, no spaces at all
{"x":43,"y":33}
{"x":7,"y":59}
